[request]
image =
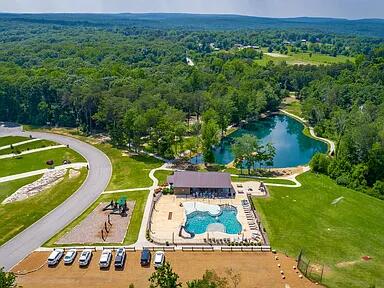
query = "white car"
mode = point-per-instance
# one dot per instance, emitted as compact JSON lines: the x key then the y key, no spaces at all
{"x":159,"y":259}
{"x":55,"y":257}
{"x":70,"y":256}
{"x":85,"y":257}
{"x":105,"y":258}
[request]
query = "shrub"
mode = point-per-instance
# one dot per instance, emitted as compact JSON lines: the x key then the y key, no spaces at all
{"x":320,"y":163}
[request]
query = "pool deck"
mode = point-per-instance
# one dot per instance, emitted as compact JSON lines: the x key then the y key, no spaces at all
{"x":166,"y":229}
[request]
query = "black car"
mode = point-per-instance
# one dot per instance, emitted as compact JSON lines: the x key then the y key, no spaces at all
{"x":120,"y":258}
{"x":145,"y":259}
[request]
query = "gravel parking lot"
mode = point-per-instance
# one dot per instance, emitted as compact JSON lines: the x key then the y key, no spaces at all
{"x":256,"y":270}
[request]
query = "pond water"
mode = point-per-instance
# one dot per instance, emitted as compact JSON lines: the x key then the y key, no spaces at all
{"x":293,"y":148}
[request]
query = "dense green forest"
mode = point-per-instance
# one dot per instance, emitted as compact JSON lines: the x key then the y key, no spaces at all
{"x":134,"y":82}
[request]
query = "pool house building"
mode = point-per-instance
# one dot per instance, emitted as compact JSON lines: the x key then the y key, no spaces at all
{"x":201,"y":184}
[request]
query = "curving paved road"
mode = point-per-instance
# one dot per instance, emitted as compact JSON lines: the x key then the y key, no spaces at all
{"x":100,"y":171}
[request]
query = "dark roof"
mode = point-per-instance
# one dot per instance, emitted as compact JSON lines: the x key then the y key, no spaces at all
{"x":189,"y":179}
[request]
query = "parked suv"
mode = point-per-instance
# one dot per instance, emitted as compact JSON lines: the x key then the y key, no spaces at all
{"x":159,"y":259}
{"x":105,"y":258}
{"x":55,"y":257}
{"x":85,"y":257}
{"x":120,"y":257}
{"x":145,"y":258}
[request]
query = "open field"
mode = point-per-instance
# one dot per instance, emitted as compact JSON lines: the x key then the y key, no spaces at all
{"x":8,"y":140}
{"x":17,"y":216}
{"x":128,"y":171}
{"x":336,"y":235}
{"x":8,"y":188}
{"x":265,"y":180}
{"x":140,"y":198}
{"x":28,"y":146}
{"x":292,"y":105}
{"x":36,"y":161}
{"x":302,"y":58}
{"x":162,"y":175}
{"x":255,"y":269}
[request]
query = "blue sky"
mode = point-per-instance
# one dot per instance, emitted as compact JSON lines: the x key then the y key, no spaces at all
{"x":270,"y":8}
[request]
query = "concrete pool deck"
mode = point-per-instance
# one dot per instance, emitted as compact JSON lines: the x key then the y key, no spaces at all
{"x":166,"y":229}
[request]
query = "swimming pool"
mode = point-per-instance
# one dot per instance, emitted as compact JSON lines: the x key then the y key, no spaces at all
{"x":199,"y":222}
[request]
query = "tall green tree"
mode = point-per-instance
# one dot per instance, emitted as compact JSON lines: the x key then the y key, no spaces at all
{"x":7,"y":279}
{"x":210,"y":138}
{"x":164,"y":277}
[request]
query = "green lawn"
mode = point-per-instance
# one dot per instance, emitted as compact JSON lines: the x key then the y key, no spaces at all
{"x":8,"y":140}
{"x":303,"y":58}
{"x":129,"y":171}
{"x":36,"y":161}
{"x":140,"y":198}
{"x":17,"y":216}
{"x":294,"y":107}
{"x":162,"y":175}
{"x":334,"y":235}
{"x":28,"y":146}
{"x":8,"y":188}
{"x":265,"y":180}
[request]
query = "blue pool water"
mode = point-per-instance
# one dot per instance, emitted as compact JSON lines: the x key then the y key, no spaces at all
{"x":197,"y":222}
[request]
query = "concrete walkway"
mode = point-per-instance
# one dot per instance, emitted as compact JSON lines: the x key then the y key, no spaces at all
{"x":42,"y":171}
{"x":100,"y":171}
{"x":19,"y":143}
{"x":142,"y":237}
{"x":31,"y":151}
{"x":312,"y":131}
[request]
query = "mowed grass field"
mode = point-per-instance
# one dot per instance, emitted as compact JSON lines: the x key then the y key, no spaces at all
{"x":335,"y":235}
{"x":36,"y":161}
{"x":128,"y":170}
{"x":8,"y":140}
{"x":162,"y":175}
{"x":28,"y":146}
{"x":8,"y":188}
{"x":17,"y":216}
{"x":301,"y":58}
{"x":140,"y":198}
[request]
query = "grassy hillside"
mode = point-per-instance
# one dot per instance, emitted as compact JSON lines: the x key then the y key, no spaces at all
{"x":336,"y":235}
{"x":36,"y":161}
{"x":17,"y":216}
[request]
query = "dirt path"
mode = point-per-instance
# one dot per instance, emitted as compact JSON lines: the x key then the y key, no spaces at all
{"x":256,"y":270}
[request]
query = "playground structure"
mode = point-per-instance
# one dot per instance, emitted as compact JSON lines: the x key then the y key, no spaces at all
{"x":118,"y":207}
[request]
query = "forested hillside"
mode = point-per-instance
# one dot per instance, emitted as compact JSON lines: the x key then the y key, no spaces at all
{"x":100,"y":73}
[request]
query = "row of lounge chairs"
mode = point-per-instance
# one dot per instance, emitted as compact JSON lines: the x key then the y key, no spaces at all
{"x":227,"y":241}
{"x":256,"y":235}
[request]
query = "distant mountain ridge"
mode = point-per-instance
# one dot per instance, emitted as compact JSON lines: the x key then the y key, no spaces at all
{"x":363,"y":27}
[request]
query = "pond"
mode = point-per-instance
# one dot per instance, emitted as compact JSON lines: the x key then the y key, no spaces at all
{"x":293,"y":148}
